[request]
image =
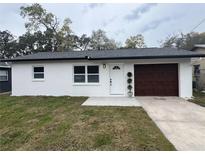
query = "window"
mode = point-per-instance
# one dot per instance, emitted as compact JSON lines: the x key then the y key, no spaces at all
{"x":93,"y":74}
{"x":86,"y":74}
{"x":3,"y":75}
{"x":196,"y":70}
{"x":79,"y":74}
{"x":38,"y":72}
{"x":116,"y":68}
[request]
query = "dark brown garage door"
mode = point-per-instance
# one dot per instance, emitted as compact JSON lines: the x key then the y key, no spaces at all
{"x":156,"y":80}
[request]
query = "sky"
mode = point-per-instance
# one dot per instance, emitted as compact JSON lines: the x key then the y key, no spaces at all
{"x":154,"y":21}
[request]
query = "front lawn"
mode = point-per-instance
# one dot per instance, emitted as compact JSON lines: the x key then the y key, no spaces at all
{"x":61,"y":123}
{"x":199,"y":98}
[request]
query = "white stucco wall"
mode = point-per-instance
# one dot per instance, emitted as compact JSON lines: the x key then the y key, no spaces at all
{"x":185,"y":79}
{"x":59,"y":78}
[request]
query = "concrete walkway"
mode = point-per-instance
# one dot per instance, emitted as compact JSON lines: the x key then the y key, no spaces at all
{"x":182,"y":122}
{"x":5,"y":93}
{"x":111,"y":101}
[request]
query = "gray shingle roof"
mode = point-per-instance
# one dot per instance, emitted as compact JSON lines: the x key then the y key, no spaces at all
{"x":141,"y":53}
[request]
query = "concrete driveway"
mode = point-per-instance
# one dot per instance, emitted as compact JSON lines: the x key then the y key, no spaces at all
{"x":182,"y":122}
{"x":111,"y":101}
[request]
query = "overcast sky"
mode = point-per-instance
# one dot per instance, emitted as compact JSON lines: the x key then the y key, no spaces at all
{"x":154,"y":21}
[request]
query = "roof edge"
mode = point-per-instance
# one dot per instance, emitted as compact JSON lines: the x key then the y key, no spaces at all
{"x":5,"y":66}
{"x":105,"y":58}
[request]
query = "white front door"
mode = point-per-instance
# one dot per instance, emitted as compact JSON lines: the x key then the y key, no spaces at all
{"x":116,"y":79}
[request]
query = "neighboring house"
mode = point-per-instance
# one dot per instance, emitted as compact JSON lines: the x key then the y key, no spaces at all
{"x":199,"y":67}
{"x":5,"y":77}
{"x":154,"y":72}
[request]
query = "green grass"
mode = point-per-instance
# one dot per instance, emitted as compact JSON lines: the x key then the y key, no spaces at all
{"x":61,"y":123}
{"x":102,"y":139}
{"x":199,"y":98}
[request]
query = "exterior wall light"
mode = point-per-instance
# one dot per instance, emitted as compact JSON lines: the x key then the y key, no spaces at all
{"x":104,"y":66}
{"x":87,"y":57}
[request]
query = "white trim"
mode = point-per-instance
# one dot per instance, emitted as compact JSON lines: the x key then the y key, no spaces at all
{"x":38,"y":79}
{"x":179,"y":77}
{"x":5,"y":66}
{"x":124,"y":81}
{"x":86,"y":83}
{"x":1,"y":66}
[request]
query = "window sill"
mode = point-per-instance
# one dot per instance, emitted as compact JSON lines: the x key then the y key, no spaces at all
{"x":86,"y":84}
{"x":38,"y":80}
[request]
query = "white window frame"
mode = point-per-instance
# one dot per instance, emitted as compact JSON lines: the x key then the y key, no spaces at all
{"x":86,"y":75}
{"x":79,"y":74}
{"x":7,"y":75}
{"x":38,"y":79}
{"x":92,"y":73}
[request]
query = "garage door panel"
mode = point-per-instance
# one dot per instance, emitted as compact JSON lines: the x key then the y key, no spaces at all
{"x":156,"y":80}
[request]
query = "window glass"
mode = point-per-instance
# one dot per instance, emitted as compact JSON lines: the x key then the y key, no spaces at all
{"x":79,"y":78}
{"x":38,"y":69}
{"x":196,"y":70}
{"x":3,"y":75}
{"x":38,"y":76}
{"x":93,"y":69}
{"x":86,"y":74}
{"x":38,"y":72}
{"x":116,"y":68}
{"x":93,"y":78}
{"x":79,"y":69}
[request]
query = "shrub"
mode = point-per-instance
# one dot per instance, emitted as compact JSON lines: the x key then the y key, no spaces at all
{"x":129,"y":74}
{"x":129,"y":87}
{"x":129,"y":81}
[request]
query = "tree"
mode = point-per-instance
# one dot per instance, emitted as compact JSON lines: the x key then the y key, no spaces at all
{"x":135,"y":42}
{"x":39,"y":18}
{"x":169,"y":42}
{"x":82,"y":43}
{"x":7,"y":45}
{"x":99,"y":41}
{"x":37,"y":42}
{"x":184,"y":41}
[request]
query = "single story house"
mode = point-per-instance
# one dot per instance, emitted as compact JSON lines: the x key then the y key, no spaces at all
{"x":199,"y":67}
{"x":153,"y":72}
{"x":5,"y":77}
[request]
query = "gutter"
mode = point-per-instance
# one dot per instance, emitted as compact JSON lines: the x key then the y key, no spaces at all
{"x":5,"y":66}
{"x":149,"y":57}
{"x":105,"y":58}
